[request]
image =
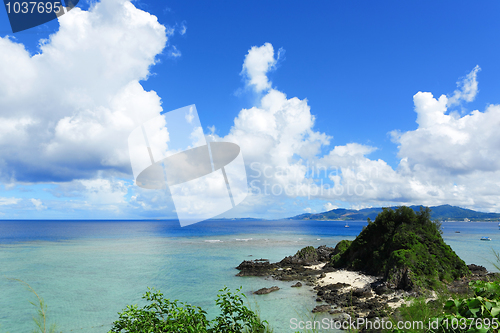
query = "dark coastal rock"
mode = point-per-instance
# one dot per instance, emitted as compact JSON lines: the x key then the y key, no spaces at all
{"x":401,"y":278}
{"x":360,"y":302}
{"x":322,"y":308}
{"x":328,"y":268}
{"x":295,"y":273}
{"x":334,"y":296}
{"x":363,"y":292}
{"x":374,"y":304}
{"x":368,"y":301}
{"x":324,"y":253}
{"x":290,"y":268}
{"x":379,"y":312}
{"x":380,"y":287}
{"x":258,"y":267}
{"x":309,"y":256}
{"x":340,"y":316}
{"x":477,"y":270}
{"x":336,"y":286}
{"x":264,"y":291}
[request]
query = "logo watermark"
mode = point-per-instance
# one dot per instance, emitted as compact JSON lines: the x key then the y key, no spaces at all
{"x":382,"y":324}
{"x":170,"y":152}
{"x":24,"y":15}
{"x":310,"y":180}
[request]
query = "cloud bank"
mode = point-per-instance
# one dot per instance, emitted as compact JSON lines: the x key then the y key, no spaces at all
{"x":447,"y":159}
{"x":66,"y":113}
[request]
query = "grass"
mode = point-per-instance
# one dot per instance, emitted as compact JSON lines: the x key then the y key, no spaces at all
{"x":268,"y":328}
{"x":419,"y":310}
{"x":40,"y":319}
{"x":307,"y":316}
{"x":497,"y":257}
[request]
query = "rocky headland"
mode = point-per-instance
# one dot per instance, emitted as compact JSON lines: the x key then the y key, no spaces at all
{"x":399,"y":255}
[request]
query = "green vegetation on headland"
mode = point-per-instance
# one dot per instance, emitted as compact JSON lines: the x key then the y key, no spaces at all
{"x":404,"y":247}
{"x":407,"y":249}
{"x":442,"y":213}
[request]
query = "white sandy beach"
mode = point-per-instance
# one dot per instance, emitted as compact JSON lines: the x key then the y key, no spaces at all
{"x":354,"y":279}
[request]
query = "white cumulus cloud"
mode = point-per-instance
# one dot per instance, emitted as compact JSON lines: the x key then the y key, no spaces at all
{"x":9,"y":201}
{"x":448,"y":142}
{"x":38,"y":204}
{"x":66,"y":112}
{"x":258,"y":62}
{"x":467,"y":88}
{"x":448,"y":159}
{"x":329,"y":206}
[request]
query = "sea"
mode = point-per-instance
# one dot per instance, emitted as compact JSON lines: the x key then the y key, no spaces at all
{"x":88,"y":271}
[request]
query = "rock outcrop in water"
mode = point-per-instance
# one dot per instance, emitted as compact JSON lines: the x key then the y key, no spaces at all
{"x":406,"y":248}
{"x":291,"y":268}
{"x":264,"y":291}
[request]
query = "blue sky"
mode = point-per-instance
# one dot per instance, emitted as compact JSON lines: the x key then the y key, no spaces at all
{"x":351,"y":73}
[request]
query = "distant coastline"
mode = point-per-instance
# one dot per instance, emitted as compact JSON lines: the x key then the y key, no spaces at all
{"x":443,"y":213}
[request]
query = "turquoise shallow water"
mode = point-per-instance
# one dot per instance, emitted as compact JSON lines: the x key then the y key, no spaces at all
{"x":87,"y":271}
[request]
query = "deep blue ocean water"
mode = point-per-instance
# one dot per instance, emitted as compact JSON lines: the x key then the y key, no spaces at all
{"x":87,"y":271}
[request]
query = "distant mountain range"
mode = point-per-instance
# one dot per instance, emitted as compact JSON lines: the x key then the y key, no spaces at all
{"x":442,"y":213}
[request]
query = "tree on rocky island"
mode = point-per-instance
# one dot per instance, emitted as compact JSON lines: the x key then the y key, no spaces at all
{"x":404,"y":247}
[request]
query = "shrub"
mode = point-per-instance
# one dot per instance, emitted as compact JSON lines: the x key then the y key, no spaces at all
{"x":163,"y":315}
{"x":307,"y":253}
{"x":480,"y":313}
{"x":340,"y":248}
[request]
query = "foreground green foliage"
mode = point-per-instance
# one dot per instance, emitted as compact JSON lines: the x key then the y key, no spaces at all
{"x":419,"y":310}
{"x":163,"y":315}
{"x":406,"y":248}
{"x":477,"y":313}
{"x":480,"y":313}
